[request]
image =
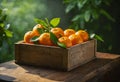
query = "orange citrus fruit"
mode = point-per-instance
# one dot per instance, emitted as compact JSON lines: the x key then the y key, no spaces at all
{"x":35,"y":29}
{"x":75,"y":39}
{"x":45,"y":39}
{"x":57,"y":31}
{"x":83,"y":34}
{"x":65,"y":40}
{"x":69,"y":32}
{"x":27,"y":36}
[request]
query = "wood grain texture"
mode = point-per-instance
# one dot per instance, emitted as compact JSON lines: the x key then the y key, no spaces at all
{"x":12,"y":72}
{"x":55,"y":57}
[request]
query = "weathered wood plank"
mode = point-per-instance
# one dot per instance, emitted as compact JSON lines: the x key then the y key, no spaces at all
{"x":10,"y":71}
{"x":57,"y":58}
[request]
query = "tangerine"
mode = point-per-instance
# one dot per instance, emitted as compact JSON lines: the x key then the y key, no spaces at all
{"x":65,"y":40}
{"x":83,"y":34}
{"x":35,"y":29}
{"x":27,"y":36}
{"x":45,"y":39}
{"x":75,"y":39}
{"x":57,"y":31}
{"x":69,"y":32}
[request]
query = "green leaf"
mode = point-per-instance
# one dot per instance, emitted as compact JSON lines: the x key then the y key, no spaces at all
{"x":55,"y":21}
{"x":40,"y":30}
{"x":66,"y":1}
{"x":95,"y":14}
{"x":8,"y":33}
{"x":107,"y":15}
{"x":96,"y":37}
{"x":47,"y":22}
{"x":107,"y":2}
{"x":3,"y":17}
{"x":92,"y":36}
{"x":77,"y":17}
{"x":80,"y":5}
{"x":87,"y":16}
{"x":0,"y":11}
{"x":53,"y":38}
{"x":98,"y":2}
{"x":69,"y":7}
{"x":61,"y":45}
{"x":42,"y":22}
{"x":35,"y":40}
{"x":82,"y":23}
{"x":99,"y":38}
{"x":2,"y":25}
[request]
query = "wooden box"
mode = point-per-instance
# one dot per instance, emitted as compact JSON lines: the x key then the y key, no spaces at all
{"x":55,"y":57}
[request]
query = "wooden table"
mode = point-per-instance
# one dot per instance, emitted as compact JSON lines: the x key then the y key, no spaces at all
{"x":95,"y":71}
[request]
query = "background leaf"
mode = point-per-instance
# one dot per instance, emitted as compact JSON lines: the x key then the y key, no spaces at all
{"x":98,"y":2}
{"x":77,"y":17}
{"x":69,"y":7}
{"x":99,"y":38}
{"x":102,"y":11}
{"x":0,"y":11}
{"x":8,"y":33}
{"x":87,"y":15}
{"x":96,"y":37}
{"x":95,"y":14}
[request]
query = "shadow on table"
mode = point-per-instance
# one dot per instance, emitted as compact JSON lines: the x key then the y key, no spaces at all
{"x":84,"y":72}
{"x":110,"y":76}
{"x":8,"y":65}
{"x":6,"y":78}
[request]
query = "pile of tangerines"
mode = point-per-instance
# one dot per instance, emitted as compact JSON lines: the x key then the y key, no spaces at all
{"x":68,"y":37}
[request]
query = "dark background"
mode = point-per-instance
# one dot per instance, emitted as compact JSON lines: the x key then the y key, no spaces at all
{"x":114,"y":10}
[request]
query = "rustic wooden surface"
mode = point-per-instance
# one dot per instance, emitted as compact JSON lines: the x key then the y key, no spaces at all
{"x":104,"y":62}
{"x":58,"y":58}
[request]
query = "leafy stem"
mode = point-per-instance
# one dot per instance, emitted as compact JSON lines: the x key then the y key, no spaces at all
{"x":47,"y":21}
{"x":48,"y":25}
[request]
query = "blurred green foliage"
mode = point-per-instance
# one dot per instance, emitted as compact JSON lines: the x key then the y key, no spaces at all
{"x":21,"y":15}
{"x":93,"y":16}
{"x":5,"y":34}
{"x":4,"y":27}
{"x":86,"y":11}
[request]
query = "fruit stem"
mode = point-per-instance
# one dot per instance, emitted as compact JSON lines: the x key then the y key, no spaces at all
{"x":47,"y":21}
